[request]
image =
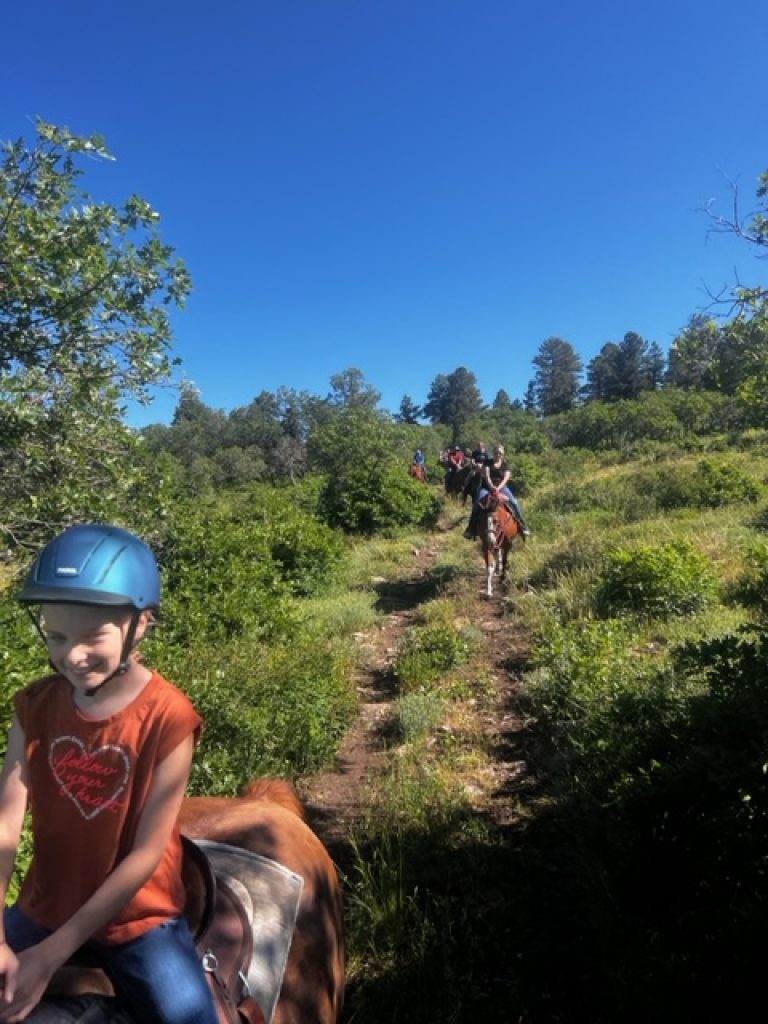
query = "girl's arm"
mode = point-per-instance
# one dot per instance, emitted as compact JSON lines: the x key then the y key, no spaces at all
{"x":13,"y":805}
{"x":154,"y":830}
{"x":503,"y":482}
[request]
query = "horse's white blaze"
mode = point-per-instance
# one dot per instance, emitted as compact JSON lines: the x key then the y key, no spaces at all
{"x":490,"y":558}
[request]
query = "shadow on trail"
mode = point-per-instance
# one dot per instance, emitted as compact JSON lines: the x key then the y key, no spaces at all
{"x":402,"y":595}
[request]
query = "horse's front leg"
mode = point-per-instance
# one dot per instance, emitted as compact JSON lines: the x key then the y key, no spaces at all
{"x":503,"y":563}
{"x":490,"y":569}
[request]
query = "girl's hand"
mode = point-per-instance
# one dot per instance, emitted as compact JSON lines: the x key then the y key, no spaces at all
{"x":9,"y":966}
{"x":29,"y":984}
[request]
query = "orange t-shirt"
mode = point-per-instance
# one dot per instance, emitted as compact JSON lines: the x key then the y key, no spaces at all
{"x":88,"y":786}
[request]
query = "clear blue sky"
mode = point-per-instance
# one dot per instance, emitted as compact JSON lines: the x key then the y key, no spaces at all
{"x":408,"y":186}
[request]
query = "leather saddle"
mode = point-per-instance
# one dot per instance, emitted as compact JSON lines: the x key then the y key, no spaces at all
{"x":222,"y":930}
{"x":223,"y":936}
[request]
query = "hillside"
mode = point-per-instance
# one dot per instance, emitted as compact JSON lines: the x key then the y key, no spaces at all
{"x":497,"y":824}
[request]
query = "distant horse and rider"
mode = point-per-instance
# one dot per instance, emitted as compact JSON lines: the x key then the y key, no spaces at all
{"x":496,"y":514}
{"x":418,"y":466}
{"x":458,"y":470}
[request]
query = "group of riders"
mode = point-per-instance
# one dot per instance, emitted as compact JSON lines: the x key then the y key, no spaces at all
{"x":489,"y":475}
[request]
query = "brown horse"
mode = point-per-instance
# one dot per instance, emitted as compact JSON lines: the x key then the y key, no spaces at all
{"x":456,"y":477}
{"x":267,"y":820}
{"x":418,"y":472}
{"x":473,"y":481}
{"x":498,"y":528}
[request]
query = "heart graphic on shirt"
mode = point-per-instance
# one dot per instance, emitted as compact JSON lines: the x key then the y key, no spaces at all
{"x":93,"y":780}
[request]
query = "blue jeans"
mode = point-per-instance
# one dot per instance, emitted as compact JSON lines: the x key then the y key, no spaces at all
{"x":158,"y":977}
{"x":484,"y":492}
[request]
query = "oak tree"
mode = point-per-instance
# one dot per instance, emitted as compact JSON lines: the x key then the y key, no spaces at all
{"x":85,"y":294}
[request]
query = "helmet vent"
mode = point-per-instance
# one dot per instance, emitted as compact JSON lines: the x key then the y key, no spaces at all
{"x":65,"y":570}
{"x":108,"y":567}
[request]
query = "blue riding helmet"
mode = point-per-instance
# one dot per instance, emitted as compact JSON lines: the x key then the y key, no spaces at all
{"x":101,"y":565}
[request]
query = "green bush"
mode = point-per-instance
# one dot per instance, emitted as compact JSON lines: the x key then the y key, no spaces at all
{"x":526,"y":474}
{"x":429,"y":651}
{"x":278,"y":710}
{"x":378,"y":498}
{"x":306,"y":550}
{"x":599,"y":696}
{"x":221,"y":582}
{"x":236,"y":566}
{"x":711,"y":483}
{"x":418,"y":714}
{"x":752,"y":586}
{"x":671,"y":579}
{"x":23,"y":656}
{"x":760,"y":521}
{"x":640,"y":492}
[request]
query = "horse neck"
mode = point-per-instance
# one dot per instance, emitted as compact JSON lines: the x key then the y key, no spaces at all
{"x":506,"y":522}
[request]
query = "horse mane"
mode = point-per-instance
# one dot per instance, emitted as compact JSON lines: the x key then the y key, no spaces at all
{"x":275,"y":791}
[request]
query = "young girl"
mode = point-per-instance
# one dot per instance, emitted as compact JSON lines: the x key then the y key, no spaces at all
{"x":100,"y":751}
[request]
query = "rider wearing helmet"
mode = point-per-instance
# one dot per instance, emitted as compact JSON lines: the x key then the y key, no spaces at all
{"x":100,"y":752}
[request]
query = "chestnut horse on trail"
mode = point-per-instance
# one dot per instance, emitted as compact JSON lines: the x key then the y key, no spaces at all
{"x":498,"y":528}
{"x":418,"y":472}
{"x":267,"y":821}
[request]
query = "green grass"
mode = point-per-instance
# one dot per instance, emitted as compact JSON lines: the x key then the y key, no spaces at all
{"x":647,"y":737}
{"x":341,"y":612}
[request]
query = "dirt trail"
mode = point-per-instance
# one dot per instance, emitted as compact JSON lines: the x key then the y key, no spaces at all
{"x":335,"y":799}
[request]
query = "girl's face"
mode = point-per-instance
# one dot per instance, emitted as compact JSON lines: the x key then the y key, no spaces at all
{"x":85,"y":642}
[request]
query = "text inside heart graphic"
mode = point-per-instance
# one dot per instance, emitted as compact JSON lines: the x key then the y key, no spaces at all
{"x":93,"y":781}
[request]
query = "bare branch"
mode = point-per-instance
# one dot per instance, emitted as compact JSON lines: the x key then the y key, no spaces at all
{"x":737,"y":224}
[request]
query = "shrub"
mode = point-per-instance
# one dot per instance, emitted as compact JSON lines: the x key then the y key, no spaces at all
{"x":430,"y":650}
{"x":378,"y":498}
{"x":600,"y":696}
{"x":712,"y":483}
{"x":221,"y":582}
{"x":752,"y":587}
{"x":722,"y":483}
{"x":526,"y":474}
{"x":23,"y":656}
{"x":418,"y":714}
{"x":638,"y":493}
{"x":236,"y":566}
{"x":760,"y":521}
{"x":306,"y":550}
{"x":672,"y":579}
{"x":277,"y":710}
